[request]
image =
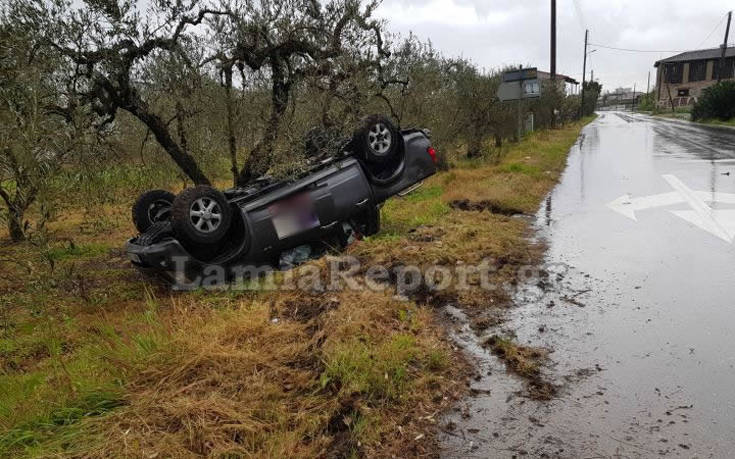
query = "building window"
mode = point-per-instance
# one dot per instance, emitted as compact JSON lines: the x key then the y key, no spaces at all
{"x":531,"y":88}
{"x":729,"y":67}
{"x":697,"y":70}
{"x":674,"y":72}
{"x":684,"y":92}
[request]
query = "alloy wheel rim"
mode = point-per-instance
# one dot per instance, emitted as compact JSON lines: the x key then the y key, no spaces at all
{"x":379,"y":138}
{"x":205,"y":215}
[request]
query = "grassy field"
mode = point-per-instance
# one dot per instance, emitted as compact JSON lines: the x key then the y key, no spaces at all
{"x":98,"y":361}
{"x":730,"y":122}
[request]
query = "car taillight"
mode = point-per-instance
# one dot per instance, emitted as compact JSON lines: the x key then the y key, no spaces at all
{"x":432,"y":153}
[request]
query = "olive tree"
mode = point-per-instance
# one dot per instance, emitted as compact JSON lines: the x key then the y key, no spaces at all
{"x":40,"y":124}
{"x":288,"y":42}
{"x":108,"y":46}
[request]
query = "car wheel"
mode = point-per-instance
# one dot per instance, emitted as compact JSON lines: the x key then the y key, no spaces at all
{"x":377,"y":139}
{"x":201,"y":215}
{"x":367,"y":222}
{"x":151,"y":207}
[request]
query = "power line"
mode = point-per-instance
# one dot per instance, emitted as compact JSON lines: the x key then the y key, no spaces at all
{"x":630,"y":50}
{"x":713,"y":30}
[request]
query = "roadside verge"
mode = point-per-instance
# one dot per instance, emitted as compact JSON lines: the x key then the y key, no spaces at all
{"x":124,"y":368}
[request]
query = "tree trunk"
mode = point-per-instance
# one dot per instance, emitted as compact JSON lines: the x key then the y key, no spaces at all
{"x":15,"y":225}
{"x":474,"y":147}
{"x":180,"y":127}
{"x":260,"y":157}
{"x":160,"y":131}
{"x":231,"y":141}
{"x":129,"y":100}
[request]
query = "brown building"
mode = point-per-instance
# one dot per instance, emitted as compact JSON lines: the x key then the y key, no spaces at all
{"x":680,"y":79}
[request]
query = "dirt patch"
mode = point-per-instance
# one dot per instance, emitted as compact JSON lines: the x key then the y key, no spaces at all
{"x":338,"y":426}
{"x":526,"y":362}
{"x":304,"y":308}
{"x":490,"y":318}
{"x":486,"y":204}
{"x":426,"y":233}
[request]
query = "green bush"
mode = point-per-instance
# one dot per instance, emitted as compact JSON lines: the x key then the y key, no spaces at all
{"x":717,"y":102}
{"x":592,"y":90}
{"x":648,"y":102}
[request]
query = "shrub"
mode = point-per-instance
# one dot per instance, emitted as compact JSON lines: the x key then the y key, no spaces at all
{"x":717,"y":101}
{"x":648,"y":102}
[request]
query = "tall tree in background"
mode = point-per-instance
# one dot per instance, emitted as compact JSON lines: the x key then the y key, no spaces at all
{"x":40,"y":123}
{"x":107,"y":47}
{"x":288,"y":41}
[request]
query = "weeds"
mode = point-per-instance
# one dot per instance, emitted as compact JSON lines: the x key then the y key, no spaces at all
{"x":380,"y":372}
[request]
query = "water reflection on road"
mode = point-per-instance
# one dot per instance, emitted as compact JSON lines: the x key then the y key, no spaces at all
{"x":645,"y":361}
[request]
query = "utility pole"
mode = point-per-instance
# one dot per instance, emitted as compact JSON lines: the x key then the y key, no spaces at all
{"x":553,"y":40}
{"x":592,"y":75}
{"x":520,"y":101}
{"x":584,"y":71}
{"x":648,"y":85}
{"x":552,"y":57}
{"x":633,"y":106}
{"x":721,"y":70}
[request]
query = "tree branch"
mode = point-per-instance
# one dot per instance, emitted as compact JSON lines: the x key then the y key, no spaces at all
{"x":6,"y":197}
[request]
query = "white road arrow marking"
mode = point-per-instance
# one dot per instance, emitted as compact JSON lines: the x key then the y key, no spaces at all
{"x":627,"y":205}
{"x":720,"y":223}
{"x":706,"y":217}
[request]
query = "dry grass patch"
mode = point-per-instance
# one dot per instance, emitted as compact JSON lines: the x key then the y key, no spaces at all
{"x":254,"y":382}
{"x":525,"y":361}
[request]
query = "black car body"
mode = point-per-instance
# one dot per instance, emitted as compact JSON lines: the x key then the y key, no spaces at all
{"x":271,"y":217}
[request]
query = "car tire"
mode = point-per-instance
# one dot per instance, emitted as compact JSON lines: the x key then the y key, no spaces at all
{"x":201,"y":216}
{"x":377,"y":140}
{"x":152,"y":207}
{"x":367,"y":222}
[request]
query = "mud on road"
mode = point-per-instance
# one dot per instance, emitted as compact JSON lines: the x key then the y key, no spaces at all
{"x":633,"y":316}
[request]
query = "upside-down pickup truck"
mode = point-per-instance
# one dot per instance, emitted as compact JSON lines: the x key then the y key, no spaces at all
{"x":256,"y":223}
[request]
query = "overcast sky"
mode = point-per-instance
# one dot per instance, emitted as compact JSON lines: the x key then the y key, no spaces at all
{"x":493,"y":33}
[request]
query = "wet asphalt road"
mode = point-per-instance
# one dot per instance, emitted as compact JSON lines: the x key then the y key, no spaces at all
{"x":640,"y":233}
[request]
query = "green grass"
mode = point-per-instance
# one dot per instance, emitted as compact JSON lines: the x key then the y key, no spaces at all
{"x":518,"y":168}
{"x":424,"y":193}
{"x":70,"y":251}
{"x":52,"y":379}
{"x":380,"y":370}
{"x":685,"y":114}
{"x":422,"y":207}
{"x":715,"y":122}
{"x":59,"y":426}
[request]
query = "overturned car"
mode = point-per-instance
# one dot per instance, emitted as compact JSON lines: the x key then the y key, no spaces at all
{"x":254,"y":224}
